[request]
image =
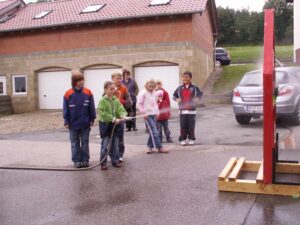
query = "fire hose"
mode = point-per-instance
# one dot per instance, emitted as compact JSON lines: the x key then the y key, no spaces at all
{"x":109,"y":146}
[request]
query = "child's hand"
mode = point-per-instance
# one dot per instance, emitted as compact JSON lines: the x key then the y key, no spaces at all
{"x":178,"y":100}
{"x":67,"y":126}
{"x":145,"y":117}
{"x":118,"y":121}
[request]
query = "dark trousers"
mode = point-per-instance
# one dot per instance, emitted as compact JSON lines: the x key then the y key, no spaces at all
{"x":121,"y":141}
{"x":187,"y":127}
{"x":131,"y":124}
{"x":163,"y":124}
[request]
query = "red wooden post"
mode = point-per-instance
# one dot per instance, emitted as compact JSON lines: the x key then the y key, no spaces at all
{"x":269,"y":103}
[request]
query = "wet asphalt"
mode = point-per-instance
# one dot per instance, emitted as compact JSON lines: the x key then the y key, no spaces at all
{"x":175,"y":188}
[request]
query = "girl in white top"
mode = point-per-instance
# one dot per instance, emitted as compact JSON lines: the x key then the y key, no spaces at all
{"x":147,"y":105}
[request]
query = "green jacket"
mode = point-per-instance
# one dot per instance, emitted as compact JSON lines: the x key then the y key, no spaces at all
{"x":110,"y":109}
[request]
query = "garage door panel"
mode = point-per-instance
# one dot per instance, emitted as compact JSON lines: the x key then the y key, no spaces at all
{"x":169,"y":75}
{"x":95,"y":79}
{"x":52,"y":87}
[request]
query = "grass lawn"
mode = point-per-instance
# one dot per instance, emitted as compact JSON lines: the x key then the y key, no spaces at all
{"x":246,"y":54}
{"x":231,"y":76}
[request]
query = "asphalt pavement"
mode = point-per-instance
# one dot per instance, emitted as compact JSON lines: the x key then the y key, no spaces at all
{"x":175,"y":188}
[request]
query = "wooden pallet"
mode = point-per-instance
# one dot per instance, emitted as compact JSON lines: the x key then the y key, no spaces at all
{"x":228,"y":179}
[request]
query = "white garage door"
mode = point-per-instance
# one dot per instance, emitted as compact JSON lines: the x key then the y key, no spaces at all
{"x":95,"y":79}
{"x":52,"y":87}
{"x":169,"y":75}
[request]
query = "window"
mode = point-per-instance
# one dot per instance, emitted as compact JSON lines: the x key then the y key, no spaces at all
{"x":160,"y":2}
{"x":6,"y":18}
{"x":93,"y":8}
{"x":43,"y":14}
{"x":220,"y":51}
{"x":19,"y":84}
{"x":1,"y":88}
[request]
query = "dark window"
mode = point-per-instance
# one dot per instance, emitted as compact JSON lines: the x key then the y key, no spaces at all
{"x":1,"y":88}
{"x":20,"y":84}
{"x":220,"y":51}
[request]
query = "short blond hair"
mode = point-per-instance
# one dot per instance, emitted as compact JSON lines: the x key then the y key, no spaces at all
{"x":151,"y":81}
{"x":159,"y":82}
{"x":116,"y":73}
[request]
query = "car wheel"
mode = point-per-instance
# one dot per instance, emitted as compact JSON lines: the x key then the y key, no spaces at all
{"x":218,"y":63}
{"x":295,"y":119}
{"x":243,"y":119}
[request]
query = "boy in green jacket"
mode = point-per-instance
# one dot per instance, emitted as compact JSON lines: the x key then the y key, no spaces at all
{"x":111,"y":113}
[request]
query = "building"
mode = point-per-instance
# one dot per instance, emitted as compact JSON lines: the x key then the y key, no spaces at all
{"x":297,"y":31}
{"x":41,"y":44}
{"x":296,"y":5}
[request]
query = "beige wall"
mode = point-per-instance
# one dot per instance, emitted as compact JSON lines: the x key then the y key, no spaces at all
{"x":189,"y":57}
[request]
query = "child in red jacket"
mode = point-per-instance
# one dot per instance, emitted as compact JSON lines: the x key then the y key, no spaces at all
{"x":164,"y":112}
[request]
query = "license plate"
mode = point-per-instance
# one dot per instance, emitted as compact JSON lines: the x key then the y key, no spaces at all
{"x":254,"y":109}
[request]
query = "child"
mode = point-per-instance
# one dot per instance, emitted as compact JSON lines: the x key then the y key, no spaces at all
{"x":123,"y":95}
{"x":111,"y":112}
{"x":79,"y":115}
{"x":133,"y":90}
{"x":147,"y":105}
{"x":185,"y":95}
{"x":164,"y":112}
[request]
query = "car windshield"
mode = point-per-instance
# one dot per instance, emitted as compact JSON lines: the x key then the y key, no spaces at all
{"x":256,"y":79}
{"x":220,"y":51}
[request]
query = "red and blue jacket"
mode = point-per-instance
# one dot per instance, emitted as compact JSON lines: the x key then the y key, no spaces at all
{"x":79,"y":108}
{"x":187,"y":93}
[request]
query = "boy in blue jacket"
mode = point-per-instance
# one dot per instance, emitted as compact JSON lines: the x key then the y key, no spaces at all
{"x":79,"y":115}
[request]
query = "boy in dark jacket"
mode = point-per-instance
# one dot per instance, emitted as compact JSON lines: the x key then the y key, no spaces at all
{"x":79,"y":115}
{"x":185,"y":95}
{"x":164,"y":112}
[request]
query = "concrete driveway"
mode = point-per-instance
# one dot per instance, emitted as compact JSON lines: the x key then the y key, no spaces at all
{"x":176,"y":188}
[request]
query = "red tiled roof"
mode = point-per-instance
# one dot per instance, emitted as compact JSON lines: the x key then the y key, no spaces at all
{"x":69,"y":12}
{"x":6,"y":3}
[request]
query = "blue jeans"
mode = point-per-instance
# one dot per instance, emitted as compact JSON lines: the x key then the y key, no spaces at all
{"x":121,"y":141}
{"x":163,"y":124}
{"x":114,"y":151}
{"x":151,"y":123}
{"x":80,"y":145}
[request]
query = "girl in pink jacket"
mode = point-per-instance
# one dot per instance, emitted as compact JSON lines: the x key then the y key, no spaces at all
{"x":147,"y":105}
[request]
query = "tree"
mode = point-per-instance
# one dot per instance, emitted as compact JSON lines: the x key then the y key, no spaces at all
{"x":244,"y":27}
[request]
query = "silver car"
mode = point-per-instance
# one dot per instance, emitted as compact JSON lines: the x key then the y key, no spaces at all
{"x":247,"y":98}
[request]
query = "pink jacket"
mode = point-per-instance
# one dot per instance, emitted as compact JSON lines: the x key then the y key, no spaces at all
{"x":147,"y":102}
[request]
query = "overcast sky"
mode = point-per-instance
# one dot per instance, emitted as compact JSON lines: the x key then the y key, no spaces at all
{"x":252,"y":5}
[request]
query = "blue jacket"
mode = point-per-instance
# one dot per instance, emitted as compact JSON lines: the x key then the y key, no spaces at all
{"x":79,"y":108}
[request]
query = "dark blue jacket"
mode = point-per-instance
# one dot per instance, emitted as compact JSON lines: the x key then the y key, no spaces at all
{"x":79,"y":108}
{"x":187,"y":94}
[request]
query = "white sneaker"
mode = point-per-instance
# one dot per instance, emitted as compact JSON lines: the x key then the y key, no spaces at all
{"x":191,"y":142}
{"x":183,"y":143}
{"x":121,"y":159}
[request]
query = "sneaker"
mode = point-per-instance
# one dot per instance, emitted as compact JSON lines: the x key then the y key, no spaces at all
{"x":183,"y":143}
{"x":121,"y":160}
{"x":162,"y":150}
{"x":149,"y":151}
{"x":85,"y":164}
{"x":117,"y":165}
{"x":191,"y":142}
{"x":77,"y":165}
{"x":169,"y":140}
{"x":104,"y":167}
